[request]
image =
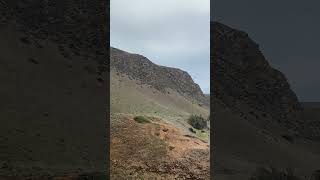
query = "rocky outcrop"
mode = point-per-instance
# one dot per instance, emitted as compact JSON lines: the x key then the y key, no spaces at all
{"x":159,"y":77}
{"x":75,"y":25}
{"x":245,"y":82}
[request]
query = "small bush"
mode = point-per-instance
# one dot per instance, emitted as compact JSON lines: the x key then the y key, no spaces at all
{"x":197,"y":122}
{"x":273,"y":174}
{"x":141,"y":119}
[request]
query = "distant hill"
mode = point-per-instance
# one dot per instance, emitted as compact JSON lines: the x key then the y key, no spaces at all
{"x":139,"y":85}
{"x":245,"y":82}
{"x":310,"y":104}
{"x":159,"y":77}
{"x":258,"y":120}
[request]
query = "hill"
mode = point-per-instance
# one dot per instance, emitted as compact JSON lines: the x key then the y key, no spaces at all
{"x":166,"y":97}
{"x":158,"y":77}
{"x":258,"y":120}
{"x":246,"y":82}
{"x":53,"y":65}
{"x":137,"y":85}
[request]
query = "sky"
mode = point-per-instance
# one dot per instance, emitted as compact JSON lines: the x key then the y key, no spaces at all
{"x":173,"y":33}
{"x":288,"y":32}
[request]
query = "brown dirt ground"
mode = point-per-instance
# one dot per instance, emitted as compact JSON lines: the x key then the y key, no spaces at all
{"x":155,"y":150}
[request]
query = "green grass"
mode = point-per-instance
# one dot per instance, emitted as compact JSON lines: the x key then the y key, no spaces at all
{"x":141,"y":119}
{"x":126,"y":98}
{"x":203,"y":135}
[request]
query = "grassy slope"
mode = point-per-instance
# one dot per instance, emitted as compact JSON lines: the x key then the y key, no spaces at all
{"x":240,"y":148}
{"x":130,"y":99}
{"x":127,"y":96}
{"x":47,"y":114}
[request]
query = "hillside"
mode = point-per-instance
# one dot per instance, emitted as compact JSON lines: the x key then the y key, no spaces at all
{"x":52,"y":69}
{"x":158,"y":77}
{"x":167,"y":97}
{"x":258,"y":120}
{"x":246,"y":82}
{"x":169,"y":90}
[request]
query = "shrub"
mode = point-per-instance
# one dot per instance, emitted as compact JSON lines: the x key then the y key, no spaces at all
{"x":197,"y":122}
{"x":273,"y":174}
{"x":141,"y":119}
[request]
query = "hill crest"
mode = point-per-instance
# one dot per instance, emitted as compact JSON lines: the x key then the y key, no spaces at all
{"x":246,"y":83}
{"x":159,"y":77}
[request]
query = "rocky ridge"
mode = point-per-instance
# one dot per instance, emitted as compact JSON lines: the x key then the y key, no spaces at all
{"x":245,"y":82}
{"x":75,"y":25}
{"x":159,"y":77}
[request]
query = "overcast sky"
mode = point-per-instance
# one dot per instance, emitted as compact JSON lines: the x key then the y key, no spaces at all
{"x":173,"y":33}
{"x":288,"y":32}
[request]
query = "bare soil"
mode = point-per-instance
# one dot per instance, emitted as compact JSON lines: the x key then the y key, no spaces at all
{"x":156,"y":150}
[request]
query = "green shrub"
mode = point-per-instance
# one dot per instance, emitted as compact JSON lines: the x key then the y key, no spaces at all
{"x":197,"y":122}
{"x":141,"y":119}
{"x":273,"y":174}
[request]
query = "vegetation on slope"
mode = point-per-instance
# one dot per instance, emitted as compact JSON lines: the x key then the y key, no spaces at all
{"x":197,"y":122}
{"x":141,"y":119}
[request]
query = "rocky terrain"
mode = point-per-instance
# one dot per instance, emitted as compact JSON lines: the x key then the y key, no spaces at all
{"x":245,"y":81}
{"x":163,"y":148}
{"x":159,"y":77}
{"x":53,"y":97}
{"x":258,"y":120}
{"x":72,"y":24}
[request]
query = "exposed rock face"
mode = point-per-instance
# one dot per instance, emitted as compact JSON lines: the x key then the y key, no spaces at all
{"x":244,"y":81}
{"x":159,"y":77}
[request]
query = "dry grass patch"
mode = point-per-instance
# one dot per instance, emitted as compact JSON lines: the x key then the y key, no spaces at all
{"x":141,"y":119}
